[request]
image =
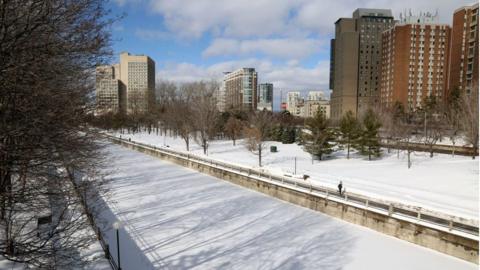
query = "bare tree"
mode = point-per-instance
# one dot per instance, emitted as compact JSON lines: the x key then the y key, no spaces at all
{"x":452,"y":114}
{"x":433,"y":124}
{"x":469,"y":119}
{"x":180,"y":113}
{"x":257,"y":132}
{"x":48,"y":51}
{"x":205,"y":113}
{"x":233,"y":128}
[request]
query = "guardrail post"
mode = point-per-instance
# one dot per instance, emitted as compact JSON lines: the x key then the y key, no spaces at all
{"x":419,"y":216}
{"x":346,"y":197}
{"x":326,"y":195}
{"x":249,"y":172}
{"x":366,"y":203}
{"x":450,"y":225}
{"x":390,"y":209}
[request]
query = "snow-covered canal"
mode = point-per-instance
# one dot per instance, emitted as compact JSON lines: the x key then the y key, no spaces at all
{"x":176,"y":218}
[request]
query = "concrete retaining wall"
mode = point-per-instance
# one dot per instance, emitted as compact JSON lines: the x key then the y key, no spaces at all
{"x":439,"y":240}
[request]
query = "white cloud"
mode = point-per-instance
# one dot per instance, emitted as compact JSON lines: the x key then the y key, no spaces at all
{"x":234,"y":18}
{"x":285,"y":48}
{"x":286,"y":77}
{"x":267,"y":18}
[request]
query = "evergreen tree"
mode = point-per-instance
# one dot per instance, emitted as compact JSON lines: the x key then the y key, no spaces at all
{"x":288,"y":135}
{"x":369,"y":141}
{"x":318,"y":140}
{"x":350,"y":130}
{"x":276,"y":133}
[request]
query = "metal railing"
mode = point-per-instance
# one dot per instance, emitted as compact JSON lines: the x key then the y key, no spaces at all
{"x":433,"y":219}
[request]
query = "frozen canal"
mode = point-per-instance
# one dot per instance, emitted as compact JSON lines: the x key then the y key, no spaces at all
{"x":176,"y":218}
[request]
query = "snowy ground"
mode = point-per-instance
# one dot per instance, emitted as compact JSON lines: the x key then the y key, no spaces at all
{"x":177,"y":218}
{"x":442,"y":183}
{"x":94,"y":253}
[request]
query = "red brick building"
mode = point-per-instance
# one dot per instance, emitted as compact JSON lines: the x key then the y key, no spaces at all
{"x":464,"y":49}
{"x":414,"y":62}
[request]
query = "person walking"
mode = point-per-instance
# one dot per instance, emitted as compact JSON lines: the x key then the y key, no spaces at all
{"x":340,"y":186}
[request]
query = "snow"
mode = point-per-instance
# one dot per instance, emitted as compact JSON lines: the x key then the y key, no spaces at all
{"x":443,"y":183}
{"x":177,"y":218}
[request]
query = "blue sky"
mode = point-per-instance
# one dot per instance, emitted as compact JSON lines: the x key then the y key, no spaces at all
{"x":287,"y":41}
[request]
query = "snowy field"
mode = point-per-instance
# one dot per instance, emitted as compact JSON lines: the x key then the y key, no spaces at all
{"x":94,"y":255}
{"x":177,"y":218}
{"x":442,"y":183}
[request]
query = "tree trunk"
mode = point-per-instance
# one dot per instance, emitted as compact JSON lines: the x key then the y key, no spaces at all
{"x":260,"y":155}
{"x":348,"y":149}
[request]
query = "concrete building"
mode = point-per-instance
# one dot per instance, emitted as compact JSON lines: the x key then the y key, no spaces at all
{"x":464,"y":50}
{"x":128,"y":86}
{"x":137,"y":73}
{"x":414,"y":61}
{"x":108,"y":91}
{"x":241,"y":89}
{"x":293,"y":103}
{"x":315,"y":95}
{"x":220,"y":96}
{"x":265,"y":96}
{"x":311,"y":107}
{"x":298,"y":106}
{"x":355,"y":60}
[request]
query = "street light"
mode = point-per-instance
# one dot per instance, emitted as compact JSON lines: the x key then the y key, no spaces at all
{"x":117,"y":225}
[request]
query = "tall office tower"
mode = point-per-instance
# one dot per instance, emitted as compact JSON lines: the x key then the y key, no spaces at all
{"x":464,"y":50}
{"x":265,"y":96}
{"x":355,"y":59}
{"x":107,"y":85}
{"x":315,"y":95}
{"x":241,"y":89}
{"x":415,"y":61}
{"x":137,"y":73}
{"x":128,"y":86}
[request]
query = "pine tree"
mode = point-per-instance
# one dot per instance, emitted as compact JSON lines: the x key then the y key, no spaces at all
{"x":288,"y":135}
{"x":350,"y":130}
{"x":369,"y":141}
{"x":318,"y":139}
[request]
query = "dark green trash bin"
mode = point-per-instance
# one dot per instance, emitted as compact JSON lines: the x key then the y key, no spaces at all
{"x":273,"y":149}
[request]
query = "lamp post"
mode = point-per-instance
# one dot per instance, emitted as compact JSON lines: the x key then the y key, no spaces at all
{"x":117,"y":225}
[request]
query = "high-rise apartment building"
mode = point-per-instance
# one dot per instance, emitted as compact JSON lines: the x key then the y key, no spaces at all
{"x":108,"y":91}
{"x":241,"y":89}
{"x":128,"y":86}
{"x":265,"y":96}
{"x":355,"y":59}
{"x":464,"y":50}
{"x":414,"y":61}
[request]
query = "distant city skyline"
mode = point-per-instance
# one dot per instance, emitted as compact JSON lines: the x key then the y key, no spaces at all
{"x":287,"y":42}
